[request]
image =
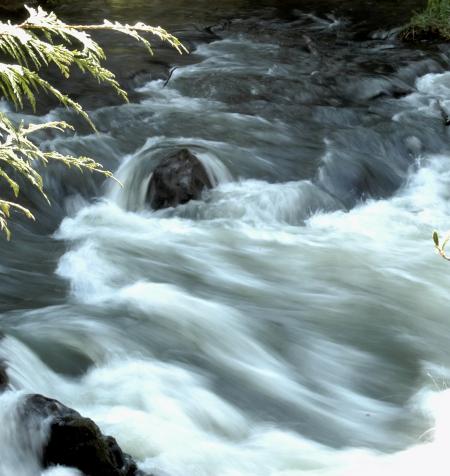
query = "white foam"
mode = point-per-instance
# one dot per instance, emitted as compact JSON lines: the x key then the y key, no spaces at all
{"x":387,"y":241}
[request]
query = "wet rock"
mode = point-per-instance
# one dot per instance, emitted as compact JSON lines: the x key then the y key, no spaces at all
{"x":76,"y":441}
{"x":444,"y":114}
{"x":4,"y":380}
{"x":177,"y":179}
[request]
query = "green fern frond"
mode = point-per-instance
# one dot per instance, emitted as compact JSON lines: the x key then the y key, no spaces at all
{"x":20,"y":156}
{"x":43,"y":40}
{"x":32,"y":44}
{"x":5,"y":212}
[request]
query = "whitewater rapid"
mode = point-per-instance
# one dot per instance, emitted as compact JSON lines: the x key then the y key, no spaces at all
{"x":289,"y":323}
{"x":168,"y":415}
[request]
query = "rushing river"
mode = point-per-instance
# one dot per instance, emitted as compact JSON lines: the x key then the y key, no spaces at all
{"x":295,"y":321}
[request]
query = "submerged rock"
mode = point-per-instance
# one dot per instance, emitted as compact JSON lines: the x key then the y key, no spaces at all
{"x":76,"y":441}
{"x":177,"y":179}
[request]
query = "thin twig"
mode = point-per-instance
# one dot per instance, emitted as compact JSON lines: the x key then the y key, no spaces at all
{"x":170,"y":75}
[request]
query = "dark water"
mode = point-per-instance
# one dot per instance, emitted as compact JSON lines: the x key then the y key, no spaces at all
{"x":295,"y":319}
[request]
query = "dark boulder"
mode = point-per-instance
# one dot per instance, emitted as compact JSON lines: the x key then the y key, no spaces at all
{"x":76,"y":441}
{"x":4,"y":380}
{"x":178,"y":178}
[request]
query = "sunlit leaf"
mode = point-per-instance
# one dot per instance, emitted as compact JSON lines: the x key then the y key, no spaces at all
{"x":41,"y":40}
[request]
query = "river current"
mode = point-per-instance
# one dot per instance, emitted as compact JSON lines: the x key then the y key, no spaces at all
{"x":292,"y":322}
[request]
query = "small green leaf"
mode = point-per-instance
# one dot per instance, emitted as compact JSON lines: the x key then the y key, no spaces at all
{"x":436,"y":238}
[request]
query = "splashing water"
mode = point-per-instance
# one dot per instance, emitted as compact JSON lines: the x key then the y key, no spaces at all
{"x":294,"y":320}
